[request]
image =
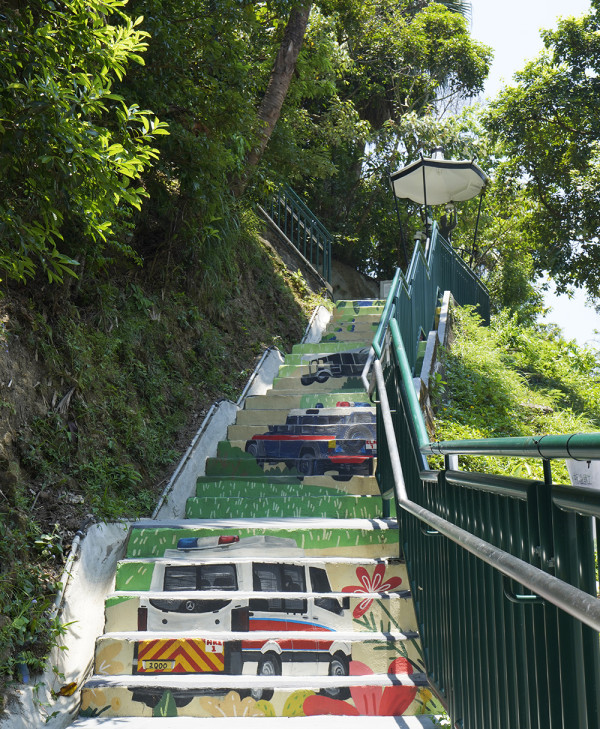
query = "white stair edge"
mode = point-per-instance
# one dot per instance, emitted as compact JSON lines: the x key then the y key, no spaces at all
{"x":220,"y":681}
{"x":253,"y":722}
{"x":255,"y":635}
{"x":249,"y":594}
{"x":269,"y":523}
{"x":229,"y":559}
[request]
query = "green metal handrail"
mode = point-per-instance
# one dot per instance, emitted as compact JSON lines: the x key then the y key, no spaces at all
{"x":504,"y":577}
{"x":301,"y":226}
{"x":413,"y":296}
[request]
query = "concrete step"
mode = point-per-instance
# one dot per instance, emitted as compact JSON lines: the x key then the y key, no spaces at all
{"x":299,"y":358}
{"x":267,"y":694}
{"x":318,"y":367}
{"x":330,"y":347}
{"x":239,"y":653}
{"x":335,"y":426}
{"x":367,"y":538}
{"x":336,"y":506}
{"x":148,"y":573}
{"x":357,"y":325}
{"x":260,"y":489}
{"x":194,"y":610}
{"x":362,"y":485}
{"x":347,"y":316}
{"x":348,"y":335}
{"x":340,"y":459}
{"x":342,"y":469}
{"x":359,"y":307}
{"x":287,"y":447}
{"x":276,"y":402}
{"x":346,"y":385}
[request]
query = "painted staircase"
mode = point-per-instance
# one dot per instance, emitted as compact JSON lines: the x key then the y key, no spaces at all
{"x":281,"y":594}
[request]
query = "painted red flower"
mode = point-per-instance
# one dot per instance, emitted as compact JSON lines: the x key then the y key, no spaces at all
{"x":376,"y":583}
{"x":368,"y":700}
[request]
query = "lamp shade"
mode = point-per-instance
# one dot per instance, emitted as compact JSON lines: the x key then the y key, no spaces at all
{"x":438,"y":181}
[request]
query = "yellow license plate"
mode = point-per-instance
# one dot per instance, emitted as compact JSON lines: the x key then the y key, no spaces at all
{"x":158,"y":665}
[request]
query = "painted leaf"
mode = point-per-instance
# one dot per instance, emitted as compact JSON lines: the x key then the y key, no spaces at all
{"x":295,"y":702}
{"x":266,"y":707}
{"x":166,"y":706}
{"x":315,"y":705}
{"x":396,"y":700}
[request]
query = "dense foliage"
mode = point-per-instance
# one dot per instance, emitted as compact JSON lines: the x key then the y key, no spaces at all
{"x":404,"y":64}
{"x":79,"y":154}
{"x":548,"y":129}
{"x":71,"y":150}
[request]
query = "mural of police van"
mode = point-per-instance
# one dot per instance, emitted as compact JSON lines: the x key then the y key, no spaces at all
{"x":316,"y":441}
{"x":297,"y":598}
{"x":341,"y":420}
{"x":335,"y":364}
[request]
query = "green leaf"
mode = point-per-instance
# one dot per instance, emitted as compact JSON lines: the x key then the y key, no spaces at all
{"x":166,"y":706}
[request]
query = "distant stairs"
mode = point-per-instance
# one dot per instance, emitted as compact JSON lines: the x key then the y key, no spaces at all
{"x":282,"y":593}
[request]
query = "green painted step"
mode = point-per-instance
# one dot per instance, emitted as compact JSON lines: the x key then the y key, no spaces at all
{"x":300,"y":467}
{"x":348,"y":336}
{"x":320,"y":365}
{"x":311,"y":460}
{"x":368,"y":314}
{"x":345,"y":385}
{"x":359,"y":305}
{"x":339,"y":537}
{"x":300,"y":358}
{"x":361,"y":485}
{"x":277,"y":401}
{"x":368,"y":328}
{"x":260,"y":489}
{"x":321,"y":347}
{"x":351,"y":445}
{"x":262,"y":418}
{"x":333,"y":507}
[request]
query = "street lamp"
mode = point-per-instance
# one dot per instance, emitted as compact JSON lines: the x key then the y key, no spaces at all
{"x":438,"y":181}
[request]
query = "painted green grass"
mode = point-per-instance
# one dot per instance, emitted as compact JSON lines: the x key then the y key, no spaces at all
{"x":152,"y":542}
{"x":341,"y":507}
{"x":259,"y":489}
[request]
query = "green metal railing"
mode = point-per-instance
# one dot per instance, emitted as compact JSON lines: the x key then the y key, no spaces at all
{"x":302,"y":227}
{"x":502,"y":569}
{"x":416,"y":293}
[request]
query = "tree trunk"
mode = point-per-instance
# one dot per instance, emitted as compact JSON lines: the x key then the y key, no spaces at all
{"x":277,"y":88}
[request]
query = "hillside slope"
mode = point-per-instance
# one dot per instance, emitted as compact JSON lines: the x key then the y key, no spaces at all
{"x":101,"y":394}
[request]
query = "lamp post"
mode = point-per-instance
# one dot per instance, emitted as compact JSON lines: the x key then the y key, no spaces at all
{"x":438,"y":181}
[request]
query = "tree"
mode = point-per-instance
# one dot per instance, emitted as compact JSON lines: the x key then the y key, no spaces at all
{"x":71,"y":150}
{"x":547,"y":127}
{"x":400,"y":60}
{"x":277,"y":89}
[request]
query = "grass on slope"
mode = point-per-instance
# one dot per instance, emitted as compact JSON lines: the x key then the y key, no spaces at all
{"x":513,"y":380}
{"x":101,"y":394}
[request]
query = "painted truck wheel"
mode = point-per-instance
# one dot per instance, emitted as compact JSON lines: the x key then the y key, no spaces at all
{"x":269,"y":665}
{"x":338,"y":667}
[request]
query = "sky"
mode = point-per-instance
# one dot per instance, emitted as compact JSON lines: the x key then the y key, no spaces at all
{"x":512,"y":29}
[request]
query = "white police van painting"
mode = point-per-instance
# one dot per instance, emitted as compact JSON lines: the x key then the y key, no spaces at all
{"x":297,"y":597}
